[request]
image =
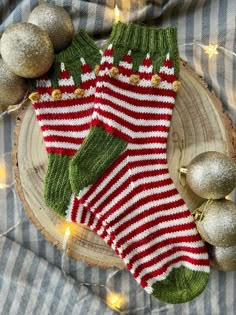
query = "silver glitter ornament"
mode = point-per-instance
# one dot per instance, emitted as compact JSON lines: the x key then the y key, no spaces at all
{"x":211,"y":175}
{"x":27,"y":50}
{"x":12,"y":87}
{"x":56,"y":21}
{"x":217,"y":222}
{"x":222,"y":258}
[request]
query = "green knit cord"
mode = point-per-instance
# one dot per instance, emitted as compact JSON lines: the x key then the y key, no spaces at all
{"x":181,"y":285}
{"x":143,"y":39}
{"x":96,"y":154}
{"x":57,"y":188}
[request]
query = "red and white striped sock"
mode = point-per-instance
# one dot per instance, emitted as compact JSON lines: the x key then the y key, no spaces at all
{"x":148,"y":221}
{"x":64,"y":114}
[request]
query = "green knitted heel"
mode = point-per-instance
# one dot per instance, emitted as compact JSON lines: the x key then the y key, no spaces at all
{"x":96,"y":154}
{"x":181,"y":285}
{"x":57,"y":188}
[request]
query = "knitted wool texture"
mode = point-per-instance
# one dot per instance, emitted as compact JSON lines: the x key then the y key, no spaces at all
{"x":63,"y":103}
{"x":124,"y":159}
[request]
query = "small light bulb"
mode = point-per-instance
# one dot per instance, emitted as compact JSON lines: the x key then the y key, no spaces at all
{"x":115,"y":300}
{"x":67,"y":232}
{"x":3,"y":175}
{"x":211,"y":50}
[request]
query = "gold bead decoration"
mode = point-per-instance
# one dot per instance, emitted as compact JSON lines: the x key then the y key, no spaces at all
{"x":156,"y":80}
{"x":96,"y":70}
{"x":79,"y":93}
{"x":114,"y":72}
{"x":56,"y":95}
{"x":34,"y":97}
{"x":134,"y":79}
{"x":176,"y":85}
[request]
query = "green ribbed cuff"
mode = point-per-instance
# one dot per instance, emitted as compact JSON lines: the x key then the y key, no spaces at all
{"x":144,"y":38}
{"x":82,"y":45}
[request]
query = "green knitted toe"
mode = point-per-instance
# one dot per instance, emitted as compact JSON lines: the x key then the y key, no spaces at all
{"x":96,"y":154}
{"x":181,"y":285}
{"x":57,"y":188}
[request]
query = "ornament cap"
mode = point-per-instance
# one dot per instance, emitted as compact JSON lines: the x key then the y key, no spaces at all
{"x":183,"y":170}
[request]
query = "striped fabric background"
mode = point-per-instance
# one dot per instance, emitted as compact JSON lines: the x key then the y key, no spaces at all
{"x":31,"y":281}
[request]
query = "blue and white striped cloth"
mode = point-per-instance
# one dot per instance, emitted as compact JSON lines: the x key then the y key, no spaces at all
{"x":31,"y":280}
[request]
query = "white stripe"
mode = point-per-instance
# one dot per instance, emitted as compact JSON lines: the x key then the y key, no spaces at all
{"x":72,"y":134}
{"x":145,"y":69}
{"x":66,"y":82}
{"x":129,"y":132}
{"x":162,"y":250}
{"x":135,"y":108}
{"x":109,"y":177}
{"x":64,"y":110}
{"x":167,"y":70}
{"x":69,"y":209}
{"x":63,"y":122}
{"x":149,"y":205}
{"x":136,"y":95}
{"x":87,"y":76}
{"x":135,"y":121}
{"x":134,"y":146}
{"x":151,"y":218}
{"x":79,"y":213}
{"x":136,"y":197}
{"x":173,"y":256}
{"x":65,"y":96}
{"x":62,"y":145}
{"x":126,"y":65}
{"x":108,"y":59}
{"x":43,"y":83}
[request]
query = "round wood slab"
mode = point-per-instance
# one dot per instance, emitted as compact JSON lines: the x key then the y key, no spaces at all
{"x":198,"y":123}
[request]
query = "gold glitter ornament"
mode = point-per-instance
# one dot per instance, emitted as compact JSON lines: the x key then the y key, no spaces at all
{"x":176,"y":85}
{"x":114,"y":71}
{"x":27,"y":50}
{"x":56,"y":21}
{"x":218,"y":223}
{"x":34,"y":97}
{"x":156,"y":80}
{"x":12,"y":87}
{"x":134,"y":79}
{"x":222,"y":258}
{"x":211,"y":175}
{"x":79,"y":93}
{"x":56,"y":95}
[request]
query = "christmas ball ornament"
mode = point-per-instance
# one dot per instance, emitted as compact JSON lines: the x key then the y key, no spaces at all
{"x":211,"y":175}
{"x":222,"y":258}
{"x":27,"y":50}
{"x":12,"y":87}
{"x":56,"y":22}
{"x":216,"y":222}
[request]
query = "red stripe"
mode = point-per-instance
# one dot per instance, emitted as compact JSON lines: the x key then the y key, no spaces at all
{"x":43,"y":90}
{"x":74,"y":209}
{"x":62,"y":151}
{"x":64,"y":103}
{"x":158,"y":272}
{"x":151,"y":212}
{"x":162,"y":256}
{"x":86,"y":68}
{"x":108,"y":52}
{"x":83,"y":216}
{"x":65,"y":128}
{"x":150,"y":151}
{"x":124,"y":186}
{"x":170,"y":240}
{"x":59,"y":139}
{"x":133,"y":88}
{"x":170,"y":78}
{"x":86,"y":85}
{"x":67,"y":88}
{"x":133,"y":114}
{"x":124,"y":71}
{"x":65,"y":74}
{"x":61,"y":116}
{"x":146,"y":226}
{"x":105,"y":65}
{"x":127,"y":58}
{"x":147,"y":62}
{"x":129,"y":125}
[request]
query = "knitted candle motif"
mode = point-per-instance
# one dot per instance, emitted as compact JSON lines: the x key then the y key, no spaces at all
{"x":148,"y":221}
{"x":63,"y":110}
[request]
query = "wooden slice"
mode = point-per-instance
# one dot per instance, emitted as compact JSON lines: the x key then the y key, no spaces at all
{"x":198,"y":122}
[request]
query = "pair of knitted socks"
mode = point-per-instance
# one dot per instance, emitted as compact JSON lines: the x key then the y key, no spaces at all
{"x":105,"y":125}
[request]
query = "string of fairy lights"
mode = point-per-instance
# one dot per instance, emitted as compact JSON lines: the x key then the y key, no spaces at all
{"x":114,"y":300}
